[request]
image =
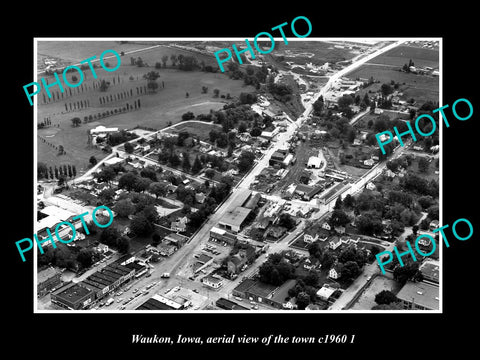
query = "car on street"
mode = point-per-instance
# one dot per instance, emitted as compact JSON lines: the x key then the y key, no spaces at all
{"x":122,"y":307}
{"x":135,"y":290}
{"x":119,"y":300}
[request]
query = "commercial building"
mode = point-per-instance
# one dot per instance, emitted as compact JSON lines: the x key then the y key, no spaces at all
{"x":233,"y":219}
{"x":212,"y":282}
{"x":226,"y":304}
{"x":73,"y":296}
{"x":223,"y":235}
{"x":159,"y":302}
{"x":430,"y":270}
{"x":47,"y":280}
{"x":264,"y":293}
{"x":419,"y":296}
{"x":109,"y":278}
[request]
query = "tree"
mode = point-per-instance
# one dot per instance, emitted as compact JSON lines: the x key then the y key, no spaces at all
{"x":106,"y":195}
{"x":104,"y":85}
{"x":141,"y":184}
{"x":85,"y":257}
{"x":423,"y":165}
{"x":188,"y":116}
{"x":140,"y":225}
{"x":158,"y":189}
{"x":93,"y":160}
{"x":406,"y":272}
{"x":106,"y":175}
{"x":286,"y":221}
{"x":349,"y":201}
{"x":76,"y":122}
{"x":186,"y":166}
{"x":197,"y":166}
{"x":127,"y":181}
{"x":123,"y":245}
{"x":303,"y":300}
{"x":124,"y":208}
{"x":156,"y":239}
{"x":164,"y":60}
{"x":245,"y":161}
{"x":42,"y":170}
{"x":338,"y":203}
{"x":386,"y":89}
{"x":327,"y":259}
{"x":128,"y":147}
{"x":344,"y":102}
{"x":338,"y":218}
{"x":311,"y":279}
{"x":174,"y":160}
{"x":385,"y":297}
{"x":210,"y":173}
{"x":315,"y":250}
{"x":216,"y":92}
{"x":318,"y":106}
{"x":350,"y":270}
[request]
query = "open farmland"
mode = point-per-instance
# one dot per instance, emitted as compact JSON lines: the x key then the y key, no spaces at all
{"x":421,"y":88}
{"x":402,"y":54}
{"x":127,"y":86}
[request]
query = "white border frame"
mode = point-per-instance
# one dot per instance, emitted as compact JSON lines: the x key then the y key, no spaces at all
{"x":251,"y":312}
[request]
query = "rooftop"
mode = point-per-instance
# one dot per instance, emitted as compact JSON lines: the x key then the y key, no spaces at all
{"x":73,"y":292}
{"x":430,"y":270}
{"x":420,"y":293}
{"x":235,"y":217}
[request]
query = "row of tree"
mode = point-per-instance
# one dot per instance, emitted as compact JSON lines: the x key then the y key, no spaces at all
{"x":65,"y":170}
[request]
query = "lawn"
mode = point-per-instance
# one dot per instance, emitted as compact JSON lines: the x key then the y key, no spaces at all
{"x":367,"y":300}
{"x":421,"y":87}
{"x":168,"y":104}
{"x":200,"y":129}
{"x":402,"y":54}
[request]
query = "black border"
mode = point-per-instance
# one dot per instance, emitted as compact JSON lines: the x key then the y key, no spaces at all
{"x":375,"y":333}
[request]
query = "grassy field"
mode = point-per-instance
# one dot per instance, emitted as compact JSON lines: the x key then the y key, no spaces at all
{"x":202,"y":130}
{"x":421,"y":88}
{"x":402,"y":54}
{"x":167,"y":105}
{"x":157,"y":109}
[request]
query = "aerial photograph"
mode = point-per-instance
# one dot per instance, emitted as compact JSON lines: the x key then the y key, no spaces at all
{"x":260,"y":188}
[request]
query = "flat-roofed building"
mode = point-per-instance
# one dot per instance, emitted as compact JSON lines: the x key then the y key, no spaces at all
{"x":223,"y":235}
{"x":233,"y":219}
{"x":73,"y":296}
{"x":419,"y":296}
{"x":430,"y":270}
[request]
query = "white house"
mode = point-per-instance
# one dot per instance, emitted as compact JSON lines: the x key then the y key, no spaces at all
{"x":371,"y":186}
{"x":334,"y":243}
{"x":326,"y":226}
{"x":212,"y":282}
{"x":335,"y":272}
{"x":368,"y":162}
{"x":309,"y":238}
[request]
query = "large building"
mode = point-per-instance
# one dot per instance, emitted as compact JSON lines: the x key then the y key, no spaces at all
{"x":73,"y":296}
{"x":109,"y":278}
{"x":419,"y":296}
{"x":258,"y":291}
{"x":233,"y":219}
{"x":159,"y":302}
